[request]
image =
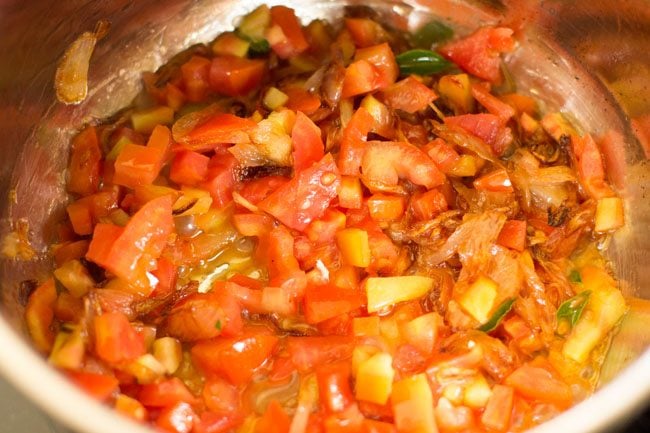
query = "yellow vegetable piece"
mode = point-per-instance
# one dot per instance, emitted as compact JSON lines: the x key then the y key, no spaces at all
{"x":75,"y":277}
{"x":145,"y":121}
{"x":386,"y":291}
{"x":467,"y":165}
{"x":375,"y":379}
{"x":457,"y":91}
{"x":168,"y":352}
{"x":365,"y":326}
{"x":274,"y":98}
{"x":609,"y":214}
{"x":146,"y":369}
{"x":477,"y":393}
{"x":354,"y":247}
{"x":68,"y":350}
{"x":412,"y":403}
{"x":478,"y":300}
{"x":361,"y":354}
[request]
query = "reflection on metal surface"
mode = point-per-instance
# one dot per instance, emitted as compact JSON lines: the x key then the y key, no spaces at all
{"x":588,"y":58}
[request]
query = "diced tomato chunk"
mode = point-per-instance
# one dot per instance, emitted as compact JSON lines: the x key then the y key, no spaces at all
{"x":328,"y":301}
{"x":539,"y":384}
{"x":499,"y":408}
{"x":493,"y":104}
{"x":513,"y":235}
{"x":383,"y":59}
{"x":140,"y":165}
{"x":39,"y":313}
{"x":274,"y":420}
{"x":218,"y":129}
{"x":353,"y":143}
{"x":250,"y":224}
{"x":165,"y":393}
{"x":479,"y":53}
{"x":220,"y":181}
{"x":485,"y":126}
{"x":301,"y":100}
{"x":426,"y":206}
{"x":286,"y":35}
{"x":236,"y":76}
{"x":100,"y":386}
{"x":116,"y":340}
{"x":309,"y":352}
{"x":383,"y":207}
{"x":195,"y":74}
{"x":177,"y":419}
{"x":591,"y":169}
{"x":211,"y":422}
{"x":85,"y":162}
{"x":409,"y":95}
{"x":257,"y":190}
{"x":364,"y":31}
{"x":442,"y":154}
{"x":308,"y":145}
{"x":306,"y":196}
{"x":189,"y":168}
{"x":495,"y":181}
{"x":360,"y":77}
{"x":334,"y":387}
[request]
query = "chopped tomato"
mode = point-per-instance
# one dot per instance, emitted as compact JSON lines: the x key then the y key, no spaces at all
{"x":334,"y":387}
{"x":195,"y":77}
{"x":353,"y":143}
{"x":491,"y":103}
{"x":324,"y":229}
{"x":499,"y":408}
{"x":306,"y":196}
{"x":591,"y":170}
{"x":285,"y":35}
{"x":39,"y":313}
{"x":128,"y":252}
{"x":386,"y":162}
{"x":220,"y":396}
{"x":442,"y":154}
{"x":166,"y":274}
{"x":409,"y":95}
{"x":140,"y":165}
{"x":328,"y":301}
{"x":479,"y":53}
{"x":211,"y":422}
{"x":274,"y":420}
{"x":85,"y":162}
{"x":250,"y":224}
{"x":177,"y":419}
{"x":165,"y":393}
{"x":495,"y":181}
{"x":237,"y":358}
{"x":308,"y":145}
{"x":309,"y":352}
{"x":539,"y":384}
{"x":513,"y":235}
{"x":426,"y":206}
{"x":360,"y":77}
{"x":350,"y":195}
{"x":257,"y":190}
{"x":218,"y":129}
{"x":364,"y":31}
{"x":189,"y":168}
{"x":236,"y":76}
{"x":383,"y":207}
{"x":485,"y":126}
{"x":100,"y":386}
{"x":205,"y":315}
{"x":116,"y":340}
{"x":382,"y":58}
{"x":280,"y":247}
{"x":220,"y":181}
{"x":301,"y":100}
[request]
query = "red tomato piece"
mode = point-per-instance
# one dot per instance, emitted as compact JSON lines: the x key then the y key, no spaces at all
{"x":236,"y":76}
{"x":282,"y":263}
{"x":221,"y":179}
{"x":80,"y":216}
{"x":492,"y":104}
{"x":243,"y":280}
{"x":513,"y":235}
{"x":140,"y":165}
{"x":195,"y":74}
{"x":334,"y":387}
{"x":365,"y":32}
{"x":539,"y":384}
{"x":495,"y":181}
{"x":383,"y":207}
{"x":485,"y":126}
{"x":409,"y":95}
{"x":479,"y":53}
{"x":220,"y":396}
{"x":372,"y":426}
{"x":353,"y":142}
{"x":328,"y":301}
{"x":361,"y":77}
{"x":274,"y":420}
{"x":85,"y":163}
{"x":205,"y":315}
{"x":442,"y":154}
{"x":383,"y":59}
{"x":218,"y":129}
{"x":309,"y":352}
{"x":386,"y":162}
{"x":428,"y":205}
{"x":306,"y":196}
{"x":100,"y":386}
{"x":307,"y":142}
{"x":590,"y":167}
{"x":179,"y":418}
{"x":257,"y":190}
{"x":140,"y":242}
{"x":211,"y":422}
{"x":301,"y":100}
{"x":116,"y":340}
{"x":285,"y":35}
{"x":499,"y":408}
{"x":250,"y":224}
{"x":236,"y":359}
{"x":189,"y":168}
{"x":324,"y":229}
{"x":165,"y":393}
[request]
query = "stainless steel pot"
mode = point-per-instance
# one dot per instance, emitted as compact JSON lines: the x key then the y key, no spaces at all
{"x":586,"y":58}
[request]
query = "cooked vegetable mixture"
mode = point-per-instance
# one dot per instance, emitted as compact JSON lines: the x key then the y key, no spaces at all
{"x":335,"y":227}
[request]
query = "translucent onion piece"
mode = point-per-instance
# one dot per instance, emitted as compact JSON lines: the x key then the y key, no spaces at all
{"x":71,"y":79}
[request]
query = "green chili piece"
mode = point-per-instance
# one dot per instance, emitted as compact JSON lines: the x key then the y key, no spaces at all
{"x":571,"y":309}
{"x":575,"y":277}
{"x":421,"y":62}
{"x":431,"y":33}
{"x":498,"y":315}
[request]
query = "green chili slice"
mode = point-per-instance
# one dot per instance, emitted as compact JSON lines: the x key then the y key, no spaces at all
{"x":498,"y":315}
{"x":421,"y":62}
{"x":571,"y":309}
{"x":431,"y":33}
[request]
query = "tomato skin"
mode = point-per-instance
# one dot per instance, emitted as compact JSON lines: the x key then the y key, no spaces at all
{"x":495,"y":181}
{"x":274,"y":420}
{"x":257,"y":190}
{"x":195,"y":74}
{"x":205,"y":315}
{"x":220,"y":396}
{"x":85,"y":163}
{"x":237,"y":358}
{"x":353,"y":143}
{"x":236,"y":76}
{"x":428,"y":205}
{"x":328,"y":301}
{"x":301,"y":100}
{"x":179,"y":418}
{"x":590,"y":167}
{"x":220,"y":181}
{"x":129,"y":256}
{"x":165,"y":393}
{"x":361,"y":77}
{"x":306,"y":196}
{"x":293,"y":41}
{"x":409,"y":95}
{"x":442,"y":154}
{"x":479,"y":52}
{"x":218,"y":129}
{"x":485,"y":126}
{"x":334,"y":387}
{"x":493,"y":104}
{"x":307,"y":142}
{"x":116,"y":340}
{"x":513,"y":235}
{"x":308,"y":352}
{"x":383,"y":59}
{"x":100,"y":386}
{"x":189,"y":168}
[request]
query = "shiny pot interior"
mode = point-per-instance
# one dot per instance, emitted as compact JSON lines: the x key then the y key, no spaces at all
{"x":584,"y":58}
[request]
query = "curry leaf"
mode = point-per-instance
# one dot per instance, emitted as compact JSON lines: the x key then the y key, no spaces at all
{"x":498,"y":315}
{"x":421,"y":62}
{"x":571,"y":309}
{"x":431,"y":33}
{"x":218,"y":325}
{"x":575,"y":277}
